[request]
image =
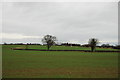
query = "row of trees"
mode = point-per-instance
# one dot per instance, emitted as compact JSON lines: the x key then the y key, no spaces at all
{"x":49,"y":40}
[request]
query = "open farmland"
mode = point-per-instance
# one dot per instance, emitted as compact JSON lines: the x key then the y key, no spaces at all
{"x":50,"y":64}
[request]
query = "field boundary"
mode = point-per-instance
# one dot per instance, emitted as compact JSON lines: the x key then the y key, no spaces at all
{"x":67,"y":50}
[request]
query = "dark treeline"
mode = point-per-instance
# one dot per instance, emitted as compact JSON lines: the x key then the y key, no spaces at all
{"x":22,"y":44}
{"x":88,"y":45}
{"x":69,"y":44}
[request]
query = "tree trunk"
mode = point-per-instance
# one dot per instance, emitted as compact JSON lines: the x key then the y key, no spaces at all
{"x":48,"y":47}
{"x":93,"y":48}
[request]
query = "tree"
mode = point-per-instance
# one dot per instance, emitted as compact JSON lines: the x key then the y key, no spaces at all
{"x":49,"y":40}
{"x":93,"y":42}
{"x":106,"y":45}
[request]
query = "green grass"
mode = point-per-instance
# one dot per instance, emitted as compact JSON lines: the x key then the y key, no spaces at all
{"x":50,"y":64}
{"x":62,"y":47}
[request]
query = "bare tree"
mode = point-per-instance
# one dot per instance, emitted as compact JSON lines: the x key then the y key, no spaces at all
{"x":93,"y":42}
{"x":49,"y":40}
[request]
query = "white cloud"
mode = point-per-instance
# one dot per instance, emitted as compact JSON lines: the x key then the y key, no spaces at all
{"x":67,"y":21}
{"x":15,"y":36}
{"x":73,"y":41}
{"x":110,"y":41}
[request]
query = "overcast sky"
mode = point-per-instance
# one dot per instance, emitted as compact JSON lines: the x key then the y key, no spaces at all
{"x":74,"y":22}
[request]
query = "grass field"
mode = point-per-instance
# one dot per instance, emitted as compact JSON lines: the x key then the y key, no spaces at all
{"x":50,"y":64}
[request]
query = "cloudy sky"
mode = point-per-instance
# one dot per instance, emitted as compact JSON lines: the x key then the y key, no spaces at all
{"x":74,"y":22}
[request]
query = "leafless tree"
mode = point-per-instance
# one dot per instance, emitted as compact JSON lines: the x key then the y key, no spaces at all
{"x":49,"y":40}
{"x":93,"y":42}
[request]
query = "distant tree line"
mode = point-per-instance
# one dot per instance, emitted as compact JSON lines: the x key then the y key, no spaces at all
{"x":68,"y":44}
{"x":49,"y":40}
{"x":22,"y":44}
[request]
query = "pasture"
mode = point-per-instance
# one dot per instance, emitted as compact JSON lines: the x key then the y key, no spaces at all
{"x":55,"y":64}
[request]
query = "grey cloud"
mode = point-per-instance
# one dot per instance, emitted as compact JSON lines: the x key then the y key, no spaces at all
{"x":65,"y":20}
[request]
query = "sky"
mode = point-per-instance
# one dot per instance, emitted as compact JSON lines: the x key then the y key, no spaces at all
{"x":73,"y":22}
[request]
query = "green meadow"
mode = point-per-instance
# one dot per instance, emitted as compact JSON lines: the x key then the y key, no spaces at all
{"x":58,"y":64}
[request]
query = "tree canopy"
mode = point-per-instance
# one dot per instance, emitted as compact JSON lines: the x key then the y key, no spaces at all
{"x":49,"y":40}
{"x":93,"y":42}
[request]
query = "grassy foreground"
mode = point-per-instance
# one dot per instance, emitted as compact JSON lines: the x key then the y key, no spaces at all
{"x":45,"y":64}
